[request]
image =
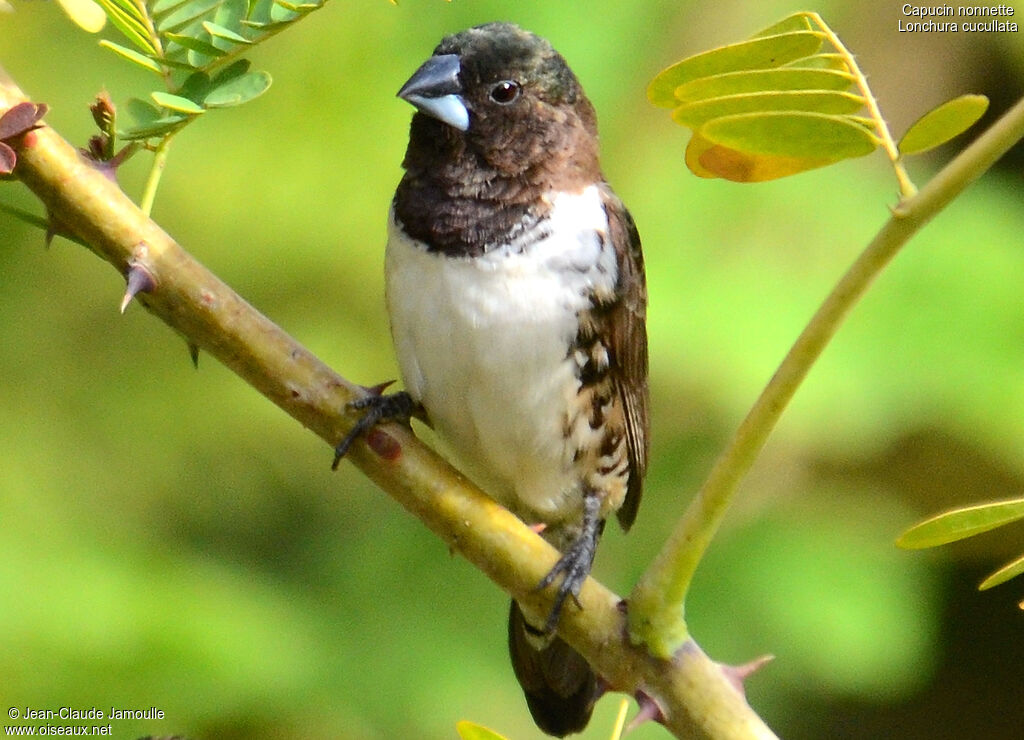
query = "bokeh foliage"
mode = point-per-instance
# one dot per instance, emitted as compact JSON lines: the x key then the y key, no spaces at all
{"x":171,"y":539}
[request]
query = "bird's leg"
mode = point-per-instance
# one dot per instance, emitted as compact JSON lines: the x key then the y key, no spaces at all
{"x":379,"y":408}
{"x":574,"y":565}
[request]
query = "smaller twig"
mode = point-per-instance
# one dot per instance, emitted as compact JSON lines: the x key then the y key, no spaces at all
{"x":156,"y":171}
{"x":657,"y":601}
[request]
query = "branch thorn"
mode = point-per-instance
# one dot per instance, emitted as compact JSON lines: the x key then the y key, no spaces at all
{"x":737,"y":674}
{"x":139,"y":281}
{"x":649,"y":711}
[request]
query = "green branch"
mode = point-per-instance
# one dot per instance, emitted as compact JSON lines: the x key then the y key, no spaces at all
{"x":656,"y":614}
{"x":694,"y":695}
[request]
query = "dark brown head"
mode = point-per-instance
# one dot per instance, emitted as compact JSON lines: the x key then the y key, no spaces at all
{"x":506,"y":98}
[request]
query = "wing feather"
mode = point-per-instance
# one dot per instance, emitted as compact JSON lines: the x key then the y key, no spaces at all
{"x":629,"y":347}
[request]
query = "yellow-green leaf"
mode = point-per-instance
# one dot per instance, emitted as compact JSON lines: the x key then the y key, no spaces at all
{"x":472,"y":731}
{"x":795,"y":22}
{"x":131,"y":55}
{"x":830,"y":60}
{"x":177,"y":103}
{"x":760,"y":53}
{"x":697,"y":114}
{"x":961,"y":523}
{"x":799,"y":135}
{"x":128,"y":24}
{"x":87,"y":14}
{"x":941,"y":124}
{"x":1008,"y":571}
{"x":763,"y":80}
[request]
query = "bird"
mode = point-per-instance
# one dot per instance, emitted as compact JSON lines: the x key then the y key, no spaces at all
{"x":517,"y":301}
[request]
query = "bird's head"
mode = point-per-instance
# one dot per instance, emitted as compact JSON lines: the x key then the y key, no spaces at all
{"x":506,"y":96}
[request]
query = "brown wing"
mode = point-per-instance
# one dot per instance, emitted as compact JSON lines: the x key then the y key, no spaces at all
{"x":629,"y":347}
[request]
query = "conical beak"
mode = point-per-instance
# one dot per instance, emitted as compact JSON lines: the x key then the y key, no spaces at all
{"x":435,"y":89}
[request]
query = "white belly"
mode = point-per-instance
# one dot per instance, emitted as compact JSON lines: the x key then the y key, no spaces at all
{"x":483,"y":344}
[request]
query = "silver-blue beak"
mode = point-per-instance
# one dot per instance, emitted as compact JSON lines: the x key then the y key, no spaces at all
{"x":435,"y":89}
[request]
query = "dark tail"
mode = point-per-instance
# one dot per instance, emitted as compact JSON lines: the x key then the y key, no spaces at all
{"x":560,"y":686}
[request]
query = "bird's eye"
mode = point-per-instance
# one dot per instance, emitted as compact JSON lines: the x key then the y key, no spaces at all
{"x":505,"y":92}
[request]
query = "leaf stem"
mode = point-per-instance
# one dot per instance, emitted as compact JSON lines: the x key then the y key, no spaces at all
{"x":155,"y":173}
{"x":907,"y":187}
{"x":656,"y":604}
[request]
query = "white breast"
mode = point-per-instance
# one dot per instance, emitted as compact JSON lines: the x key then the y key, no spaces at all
{"x":483,"y":344}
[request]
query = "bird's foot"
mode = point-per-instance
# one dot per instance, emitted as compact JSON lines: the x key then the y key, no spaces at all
{"x":379,"y":408}
{"x":575,"y":563}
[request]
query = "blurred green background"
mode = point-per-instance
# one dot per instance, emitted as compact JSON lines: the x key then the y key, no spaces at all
{"x":168,"y":538}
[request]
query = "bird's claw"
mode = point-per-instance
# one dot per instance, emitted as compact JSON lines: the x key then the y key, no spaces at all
{"x":575,"y":563}
{"x":379,"y":408}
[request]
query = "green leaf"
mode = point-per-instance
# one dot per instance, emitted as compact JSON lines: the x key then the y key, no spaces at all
{"x":795,"y":22}
{"x":265,"y":28}
{"x":830,"y":60}
{"x":961,"y":523}
{"x":142,"y":111}
{"x":129,"y":24}
{"x":237,"y":68}
{"x":281,"y":13}
{"x":758,"y":53}
{"x":472,"y":731}
{"x":763,"y":80}
{"x":186,"y":13}
{"x":130,"y":8}
{"x":697,"y":114}
{"x":177,"y":103}
{"x":153,"y":129}
{"x":259,"y":12}
{"x":300,"y":8}
{"x":197,"y":45}
{"x":132,"y":56}
{"x":941,"y":124}
{"x":1008,"y":571}
{"x":238,"y":90}
{"x":225,"y":26}
{"x":158,"y":8}
{"x":219,"y":32}
{"x":195,"y":87}
{"x":792,"y":135}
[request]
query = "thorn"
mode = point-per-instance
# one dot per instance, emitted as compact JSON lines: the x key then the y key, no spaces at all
{"x":193,"y":352}
{"x":139,"y":281}
{"x":538,"y":527}
{"x":54,"y":228}
{"x":378,"y":390}
{"x":737,"y":674}
{"x":649,"y":711}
